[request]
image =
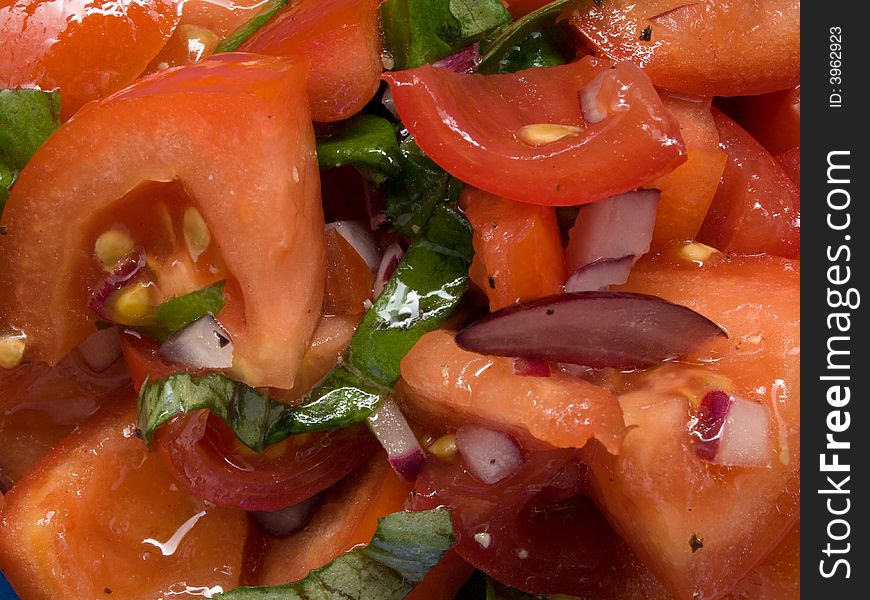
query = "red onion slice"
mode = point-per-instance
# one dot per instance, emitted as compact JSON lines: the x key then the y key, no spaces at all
{"x":600,"y":274}
{"x":619,"y":226}
{"x":731,"y":431}
{"x":283,"y":522}
{"x":392,"y":255}
{"x":404,"y":453}
{"x":101,"y":349}
{"x":464,"y":61}
{"x":530,"y":367}
{"x":203,"y":344}
{"x":490,"y":455}
{"x":596,"y":329}
{"x":125,"y":272}
{"x":360,"y":237}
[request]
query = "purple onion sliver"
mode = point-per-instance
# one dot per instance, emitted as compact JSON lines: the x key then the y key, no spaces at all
{"x":706,"y":431}
{"x":600,"y":274}
{"x":530,"y":367}
{"x":126,"y":271}
{"x":464,"y":61}
{"x":389,"y":261}
{"x":408,"y":466}
{"x":491,"y":456}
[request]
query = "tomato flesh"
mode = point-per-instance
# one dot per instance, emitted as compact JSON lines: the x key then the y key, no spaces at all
{"x":167,"y":127}
{"x":101,"y":515}
{"x":690,"y":47}
{"x":481,"y":129}
{"x":86,"y":48}
{"x":341,"y":39}
{"x":756,"y":209}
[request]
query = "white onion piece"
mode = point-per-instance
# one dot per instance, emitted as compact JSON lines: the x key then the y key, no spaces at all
{"x":745,"y":440}
{"x":395,"y":435}
{"x":392,"y":255}
{"x":101,"y":349}
{"x":359,"y":236}
{"x":600,"y":274}
{"x":389,"y":104}
{"x":203,"y":344}
{"x":589,"y":100}
{"x":618,"y":226}
{"x":288,"y":520}
{"x":490,"y":455}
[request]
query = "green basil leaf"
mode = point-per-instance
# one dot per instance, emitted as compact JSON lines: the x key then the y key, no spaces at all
{"x":404,"y":548}
{"x":424,"y":289}
{"x":422,"y":186}
{"x":243,"y":32}
{"x":417,"y":32}
{"x":367,"y":142}
{"x":27,"y":118}
{"x":535,"y":40}
{"x":179,"y":312}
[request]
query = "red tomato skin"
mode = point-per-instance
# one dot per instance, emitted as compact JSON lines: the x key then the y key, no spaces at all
{"x":342,"y":41}
{"x":471,"y":126}
{"x":772,"y":119}
{"x":135,"y":136}
{"x":658,"y":492}
{"x":756,"y":209}
{"x":79,"y":522}
{"x":791,"y":164}
{"x":692,"y":48}
{"x":87,"y":49}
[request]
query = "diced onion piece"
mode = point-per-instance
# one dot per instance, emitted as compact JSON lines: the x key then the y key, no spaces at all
{"x":619,"y":226}
{"x":597,"y":329}
{"x":203,"y":344}
{"x":600,"y":274}
{"x":593,"y":112}
{"x":732,"y":431}
{"x":360,"y":237}
{"x":392,"y":255}
{"x":387,"y":101}
{"x":101,"y":349}
{"x":531,"y":367}
{"x":490,"y":455}
{"x":464,"y":61}
{"x":283,"y":522}
{"x":395,"y":435}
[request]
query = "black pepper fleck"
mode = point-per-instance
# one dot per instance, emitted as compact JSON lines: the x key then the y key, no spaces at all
{"x":646,"y":34}
{"x":3,"y":230}
{"x":550,"y":311}
{"x":107,"y":591}
{"x":598,"y":2}
{"x":491,"y":281}
{"x":696,"y":543}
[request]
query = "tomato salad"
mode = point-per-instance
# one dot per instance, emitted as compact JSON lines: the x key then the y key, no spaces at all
{"x":383,"y":299}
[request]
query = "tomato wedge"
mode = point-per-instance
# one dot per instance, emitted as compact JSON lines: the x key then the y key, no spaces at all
{"x":341,"y":39}
{"x":756,"y":209}
{"x":87,"y":49}
{"x":345,"y":517}
{"x":235,"y":132}
{"x":204,"y":454}
{"x":101,"y":515}
{"x":494,"y":131}
{"x":691,"y":47}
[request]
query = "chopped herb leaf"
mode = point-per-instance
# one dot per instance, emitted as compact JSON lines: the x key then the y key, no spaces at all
{"x":534,"y":40}
{"x":242,"y":33}
{"x":366,"y":142}
{"x":417,"y":32}
{"x":179,"y":312}
{"x":404,"y":548}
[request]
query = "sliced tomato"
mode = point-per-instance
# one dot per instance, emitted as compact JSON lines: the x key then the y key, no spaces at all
{"x":328,"y":344}
{"x":690,"y":47}
{"x":235,"y":133}
{"x":442,"y":384}
{"x":699,"y":526}
{"x":341,"y":39}
{"x":517,"y":248}
{"x":535,"y":531}
{"x":486,"y":129}
{"x":205,"y":455}
{"x":102,"y":515}
{"x":757,"y":206}
{"x":688,"y":190}
{"x":41,"y":405}
{"x":519,"y":8}
{"x":772,"y":119}
{"x":346,"y":517}
{"x":778,"y":577}
{"x":87,"y":49}
{"x":790,"y":160}
{"x":349,"y":279}
{"x":444,"y":580}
